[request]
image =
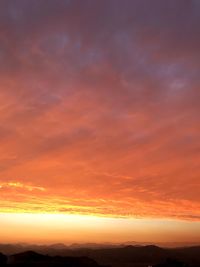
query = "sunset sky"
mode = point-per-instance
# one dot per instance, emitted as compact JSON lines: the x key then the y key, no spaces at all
{"x":99,"y":120}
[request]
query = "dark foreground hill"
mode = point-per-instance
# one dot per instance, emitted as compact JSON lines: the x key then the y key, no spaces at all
{"x":3,"y":259}
{"x":33,"y":259}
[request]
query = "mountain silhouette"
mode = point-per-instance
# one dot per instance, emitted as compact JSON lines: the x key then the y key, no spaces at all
{"x":3,"y":259}
{"x":33,"y":259}
{"x":27,"y":256}
{"x":126,"y":256}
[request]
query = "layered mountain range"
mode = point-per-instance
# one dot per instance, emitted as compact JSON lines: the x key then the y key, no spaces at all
{"x":127,"y":256}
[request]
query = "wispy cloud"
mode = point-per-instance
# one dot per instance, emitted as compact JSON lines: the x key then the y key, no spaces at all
{"x":20,"y":185}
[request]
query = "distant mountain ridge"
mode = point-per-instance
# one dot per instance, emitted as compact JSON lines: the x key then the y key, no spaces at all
{"x":128,"y":256}
{"x":58,"y":248}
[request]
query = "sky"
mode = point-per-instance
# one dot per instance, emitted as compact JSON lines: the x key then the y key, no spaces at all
{"x":99,"y":117}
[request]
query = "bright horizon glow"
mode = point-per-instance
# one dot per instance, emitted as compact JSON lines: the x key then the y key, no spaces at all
{"x":61,"y":228}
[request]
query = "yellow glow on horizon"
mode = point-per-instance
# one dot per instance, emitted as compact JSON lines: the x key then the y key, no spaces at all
{"x":69,"y":228}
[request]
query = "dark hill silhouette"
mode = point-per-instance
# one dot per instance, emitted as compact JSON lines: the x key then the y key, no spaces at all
{"x":127,"y":256}
{"x":138,"y":256}
{"x":33,"y":259}
{"x":171,"y":263}
{"x":27,"y":256}
{"x":3,"y":259}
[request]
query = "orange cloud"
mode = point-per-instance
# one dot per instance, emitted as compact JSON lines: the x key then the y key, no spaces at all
{"x":100,"y":115}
